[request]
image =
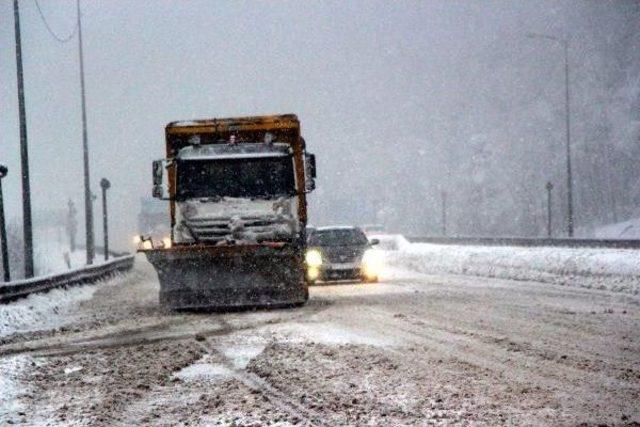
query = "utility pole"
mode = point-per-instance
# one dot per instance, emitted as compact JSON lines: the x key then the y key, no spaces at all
{"x":24,"y":154}
{"x":105,"y":184}
{"x":444,"y":213}
{"x":88,"y":207}
{"x":3,"y":230}
{"x":549,"y":187}
{"x":564,"y":42}
{"x":567,"y":104}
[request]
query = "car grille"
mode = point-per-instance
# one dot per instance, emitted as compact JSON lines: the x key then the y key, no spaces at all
{"x":342,"y":255}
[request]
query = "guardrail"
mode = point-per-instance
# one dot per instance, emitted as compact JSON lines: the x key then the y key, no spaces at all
{"x":21,"y":288}
{"x":529,"y":242}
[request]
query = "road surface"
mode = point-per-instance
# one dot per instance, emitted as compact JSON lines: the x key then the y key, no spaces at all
{"x":413,"y":350}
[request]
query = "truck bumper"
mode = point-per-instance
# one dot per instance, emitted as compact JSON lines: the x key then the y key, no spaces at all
{"x":219,"y":279}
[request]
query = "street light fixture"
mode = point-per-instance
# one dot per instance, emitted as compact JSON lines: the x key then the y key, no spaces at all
{"x":564,"y":42}
{"x":3,"y":230}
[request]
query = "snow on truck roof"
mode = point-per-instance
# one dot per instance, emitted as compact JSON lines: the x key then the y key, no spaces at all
{"x":234,"y":151}
{"x":241,"y":122}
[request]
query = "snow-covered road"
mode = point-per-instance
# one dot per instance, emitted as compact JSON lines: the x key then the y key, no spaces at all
{"x":415,"y":349}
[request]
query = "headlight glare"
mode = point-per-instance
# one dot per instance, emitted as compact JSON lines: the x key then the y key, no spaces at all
{"x":372,"y":263}
{"x":313,"y":258}
{"x":313,"y":273}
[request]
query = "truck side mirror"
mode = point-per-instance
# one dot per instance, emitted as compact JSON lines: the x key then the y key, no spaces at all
{"x":310,"y":172}
{"x":159,"y":184}
{"x":310,"y":160}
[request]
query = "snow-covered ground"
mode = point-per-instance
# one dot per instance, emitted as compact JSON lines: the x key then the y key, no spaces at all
{"x":43,"y":310}
{"x":629,"y":229}
{"x":606,"y":269}
{"x":53,"y":309}
{"x":51,"y":253}
{"x":413,"y":349}
{"x":390,"y":242}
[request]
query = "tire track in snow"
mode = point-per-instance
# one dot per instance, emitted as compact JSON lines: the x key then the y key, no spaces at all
{"x":258,"y":384}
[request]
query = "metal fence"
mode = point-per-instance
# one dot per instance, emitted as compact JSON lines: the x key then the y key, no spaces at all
{"x":21,"y":288}
{"x":529,"y":242}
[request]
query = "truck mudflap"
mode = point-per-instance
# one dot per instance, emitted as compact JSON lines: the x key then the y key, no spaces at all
{"x":219,"y":279}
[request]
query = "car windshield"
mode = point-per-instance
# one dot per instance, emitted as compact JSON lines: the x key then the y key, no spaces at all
{"x":338,"y":237}
{"x":266,"y":177}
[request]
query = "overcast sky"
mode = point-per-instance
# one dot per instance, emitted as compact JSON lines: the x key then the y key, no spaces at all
{"x":368,"y":80}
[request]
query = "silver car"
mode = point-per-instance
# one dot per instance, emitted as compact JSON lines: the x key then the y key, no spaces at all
{"x":341,"y":253}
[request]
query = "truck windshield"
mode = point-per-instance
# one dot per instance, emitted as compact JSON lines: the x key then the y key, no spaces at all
{"x":262,"y":177}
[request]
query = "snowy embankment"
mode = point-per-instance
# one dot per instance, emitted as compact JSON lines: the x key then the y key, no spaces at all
{"x":42,"y":311}
{"x":606,"y":269}
{"x":52,"y":253}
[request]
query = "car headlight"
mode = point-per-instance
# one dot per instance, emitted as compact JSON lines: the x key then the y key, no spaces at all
{"x":166,"y":242}
{"x":313,"y":273}
{"x":313,"y":258}
{"x":372,"y":263}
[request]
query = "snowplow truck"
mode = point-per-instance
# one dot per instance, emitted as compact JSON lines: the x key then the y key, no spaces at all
{"x":238,"y":211}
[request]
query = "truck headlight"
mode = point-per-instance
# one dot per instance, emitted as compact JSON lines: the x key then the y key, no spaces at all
{"x":372,"y":263}
{"x":313,"y":258}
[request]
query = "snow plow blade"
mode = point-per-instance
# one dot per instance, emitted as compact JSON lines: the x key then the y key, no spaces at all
{"x":220,"y":279}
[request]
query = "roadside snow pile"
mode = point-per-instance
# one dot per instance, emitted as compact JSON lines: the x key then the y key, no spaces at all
{"x":43,"y":310}
{"x":390,"y":242}
{"x":621,"y":230}
{"x":606,"y":269}
{"x":52,"y":255}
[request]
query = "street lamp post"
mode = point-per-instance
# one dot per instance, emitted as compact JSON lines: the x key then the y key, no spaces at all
{"x":3,"y":230}
{"x":549,"y":187}
{"x":564,"y":42}
{"x":444,"y":213}
{"x":105,"y":184}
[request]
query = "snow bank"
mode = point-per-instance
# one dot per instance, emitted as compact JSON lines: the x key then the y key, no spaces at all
{"x":52,"y":254}
{"x":622,"y":230}
{"x":42,"y":311}
{"x":390,"y":242}
{"x":607,"y":269}
{"x":49,"y":310}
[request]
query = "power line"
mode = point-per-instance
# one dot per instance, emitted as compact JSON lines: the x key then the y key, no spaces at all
{"x":50,"y":30}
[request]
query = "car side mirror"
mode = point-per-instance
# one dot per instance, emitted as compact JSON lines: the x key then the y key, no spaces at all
{"x":374,"y":242}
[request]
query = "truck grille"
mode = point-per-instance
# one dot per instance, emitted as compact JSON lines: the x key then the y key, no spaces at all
{"x":256,"y":228}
